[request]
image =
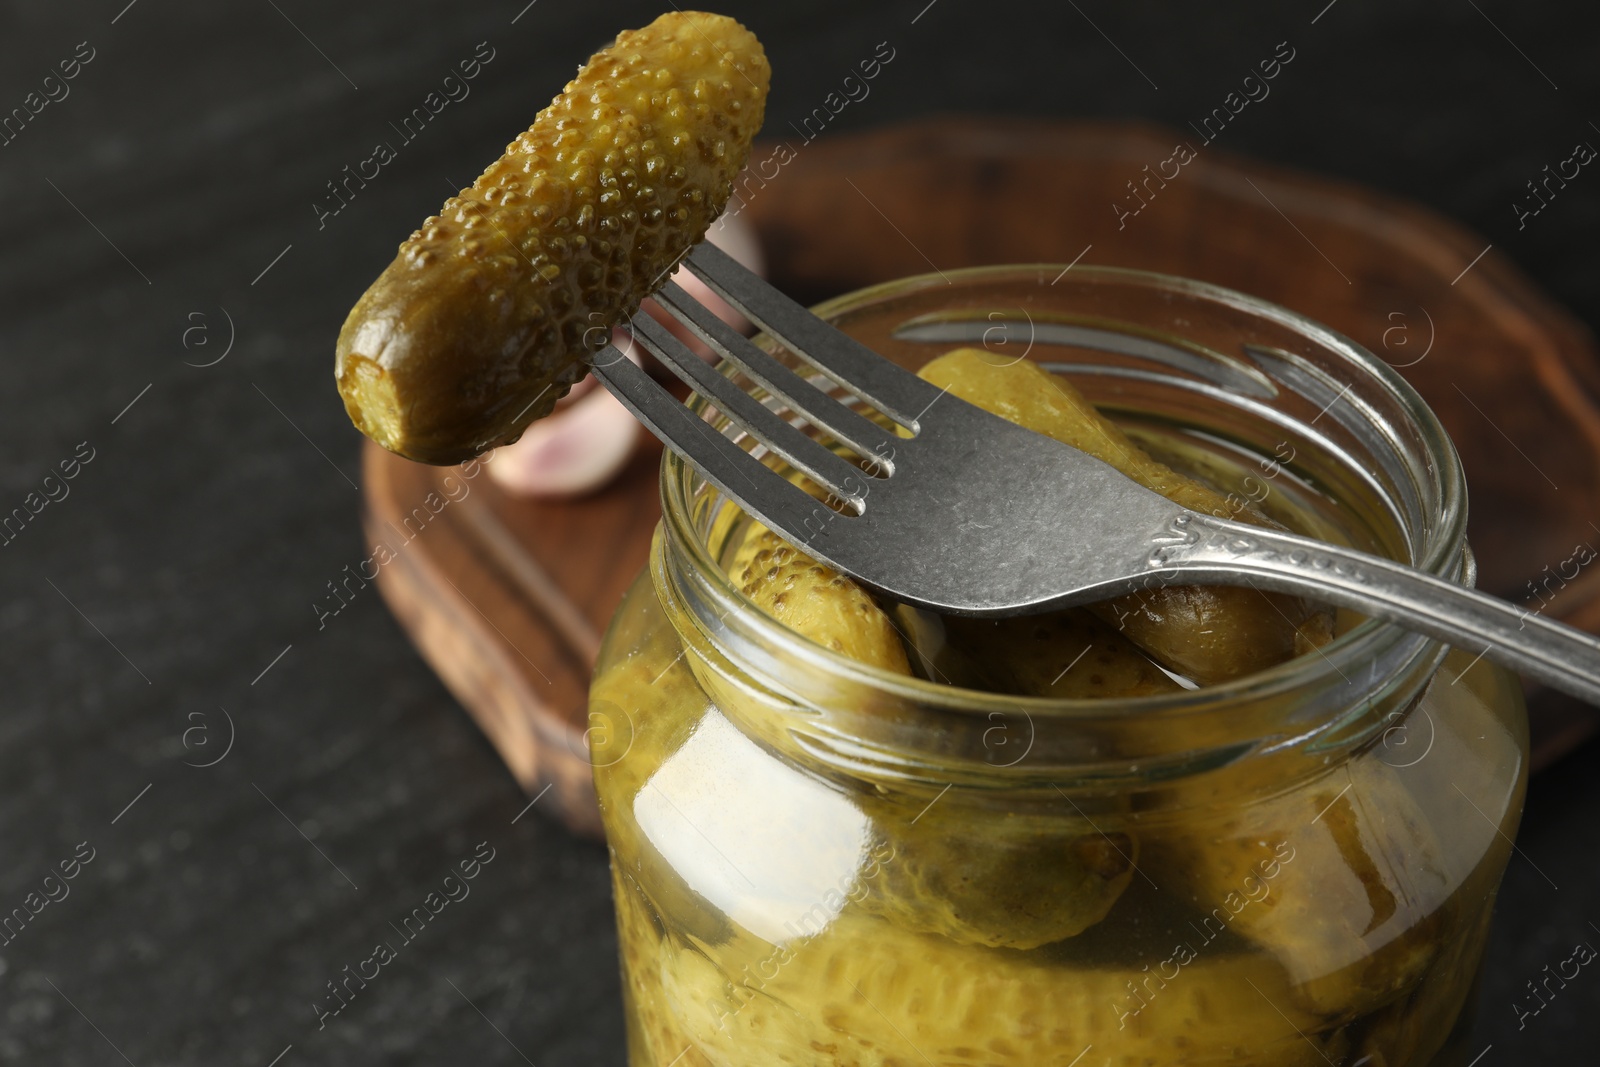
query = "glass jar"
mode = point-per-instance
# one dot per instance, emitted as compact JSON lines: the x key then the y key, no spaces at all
{"x":819,"y":862}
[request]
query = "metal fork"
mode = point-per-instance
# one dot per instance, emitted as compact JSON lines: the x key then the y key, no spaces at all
{"x":974,"y":515}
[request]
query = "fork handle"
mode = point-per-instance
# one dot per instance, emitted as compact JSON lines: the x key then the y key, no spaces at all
{"x":1207,"y":550}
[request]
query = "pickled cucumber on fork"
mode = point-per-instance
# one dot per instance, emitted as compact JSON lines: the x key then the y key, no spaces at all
{"x":486,"y":315}
{"x":1207,"y":633}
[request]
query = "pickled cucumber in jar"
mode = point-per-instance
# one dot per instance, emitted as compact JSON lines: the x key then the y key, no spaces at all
{"x":1209,"y":634}
{"x":1015,"y":884}
{"x":816,"y":601}
{"x":1066,"y":655}
{"x":870,"y":994}
{"x":996,"y":878}
{"x":1340,"y":878}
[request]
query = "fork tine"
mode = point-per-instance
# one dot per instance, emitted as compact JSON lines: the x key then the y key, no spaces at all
{"x":821,"y":464}
{"x":864,"y":436}
{"x":758,"y":489}
{"x":891,"y":389}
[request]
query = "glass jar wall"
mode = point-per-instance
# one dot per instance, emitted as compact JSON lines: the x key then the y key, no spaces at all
{"x":821,"y":862}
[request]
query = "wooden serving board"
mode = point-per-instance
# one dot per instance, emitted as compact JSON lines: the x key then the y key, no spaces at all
{"x":507,"y":598}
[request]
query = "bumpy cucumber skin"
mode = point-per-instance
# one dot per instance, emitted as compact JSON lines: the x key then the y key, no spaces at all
{"x":480,"y":324}
{"x":865,"y":994}
{"x":817,"y":602}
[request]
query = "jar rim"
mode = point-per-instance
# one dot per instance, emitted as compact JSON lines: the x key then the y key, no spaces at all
{"x":1441,"y":550}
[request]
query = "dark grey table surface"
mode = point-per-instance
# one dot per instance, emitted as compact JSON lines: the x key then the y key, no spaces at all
{"x":163,"y":203}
